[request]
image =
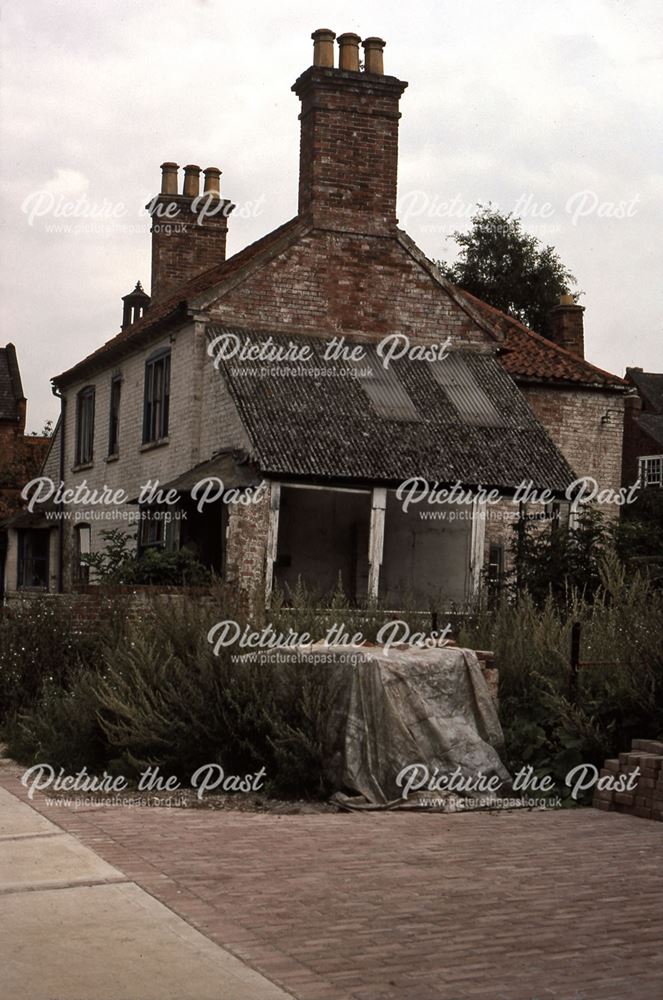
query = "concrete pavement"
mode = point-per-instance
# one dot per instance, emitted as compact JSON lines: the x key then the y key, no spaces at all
{"x":73,"y":927}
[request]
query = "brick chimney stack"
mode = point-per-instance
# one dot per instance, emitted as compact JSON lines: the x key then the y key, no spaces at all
{"x":189,"y":230}
{"x":565,"y":325}
{"x":349,"y":136}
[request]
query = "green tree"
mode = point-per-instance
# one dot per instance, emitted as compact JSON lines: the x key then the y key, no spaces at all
{"x":508,"y":268}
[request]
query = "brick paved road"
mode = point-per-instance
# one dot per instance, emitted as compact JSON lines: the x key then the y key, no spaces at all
{"x":517,"y":906}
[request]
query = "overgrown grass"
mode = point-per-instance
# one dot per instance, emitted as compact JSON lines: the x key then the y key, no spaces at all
{"x":618,"y":697}
{"x":153,"y":692}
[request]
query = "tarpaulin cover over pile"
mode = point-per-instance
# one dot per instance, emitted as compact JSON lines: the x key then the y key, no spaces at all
{"x":429,"y":706}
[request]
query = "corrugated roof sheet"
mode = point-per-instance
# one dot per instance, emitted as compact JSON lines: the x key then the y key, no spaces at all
{"x":322,"y":427}
{"x":386,"y":393}
{"x":458,"y":383}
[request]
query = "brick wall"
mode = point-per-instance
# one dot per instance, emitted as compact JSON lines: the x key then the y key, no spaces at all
{"x":587,"y":426}
{"x":92,"y":607}
{"x":203,"y":419}
{"x":331,"y":283}
{"x":185,"y":242}
{"x":246,"y":549}
{"x":348,"y":149}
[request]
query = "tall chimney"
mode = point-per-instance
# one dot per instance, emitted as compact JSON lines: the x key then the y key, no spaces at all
{"x":565,"y":325}
{"x":189,"y":230}
{"x":348,"y":159}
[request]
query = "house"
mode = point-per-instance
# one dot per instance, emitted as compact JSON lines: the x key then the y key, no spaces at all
{"x":266,"y":371}
{"x":21,"y":456}
{"x":643,"y":429}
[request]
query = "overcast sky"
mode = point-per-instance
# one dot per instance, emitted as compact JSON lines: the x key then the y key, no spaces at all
{"x":551,"y":108}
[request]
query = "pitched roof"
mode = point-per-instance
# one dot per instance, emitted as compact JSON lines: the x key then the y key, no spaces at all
{"x":529,"y":356}
{"x":169,"y":308}
{"x":11,"y":390}
{"x":650,"y":388}
{"x":652,"y":424}
{"x":466,"y":422}
{"x":526,"y":354}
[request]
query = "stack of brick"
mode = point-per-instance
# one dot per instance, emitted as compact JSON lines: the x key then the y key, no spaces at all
{"x":642,"y":795}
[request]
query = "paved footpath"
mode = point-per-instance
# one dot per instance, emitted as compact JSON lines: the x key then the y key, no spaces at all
{"x":74,"y":927}
{"x":504,"y":906}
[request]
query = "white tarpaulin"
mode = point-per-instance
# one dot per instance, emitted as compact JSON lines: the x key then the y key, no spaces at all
{"x":412,"y":706}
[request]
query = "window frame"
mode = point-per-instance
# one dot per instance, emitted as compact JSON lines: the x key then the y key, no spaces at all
{"x":85,"y":425}
{"x":152,"y":517}
{"x":82,"y":570}
{"x":156,"y":411}
{"x":643,"y":479}
{"x":22,"y":562}
{"x":114,"y":416}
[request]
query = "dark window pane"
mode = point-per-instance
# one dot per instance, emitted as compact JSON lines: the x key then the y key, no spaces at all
{"x":33,"y":548}
{"x":156,"y":402}
{"x":114,"y":419}
{"x":85,"y":426}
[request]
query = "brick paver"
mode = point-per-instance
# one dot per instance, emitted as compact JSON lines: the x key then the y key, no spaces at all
{"x":506,"y":906}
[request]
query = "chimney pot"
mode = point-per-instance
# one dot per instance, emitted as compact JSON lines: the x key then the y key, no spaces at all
{"x":348,"y":161}
{"x":373,"y":55}
{"x":566,"y":300}
{"x":323,"y":47}
{"x":191,"y":181}
{"x":349,"y":51}
{"x":212,"y":181}
{"x":169,"y":178}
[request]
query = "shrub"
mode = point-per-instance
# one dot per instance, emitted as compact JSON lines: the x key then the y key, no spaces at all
{"x":62,"y":726}
{"x":166,"y":699}
{"x":38,"y":646}
{"x":153,"y":692}
{"x":618,"y":698}
{"x":119,"y":563}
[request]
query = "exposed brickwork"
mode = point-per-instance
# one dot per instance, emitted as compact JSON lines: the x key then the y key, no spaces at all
{"x":21,"y":456}
{"x":349,"y":149}
{"x":246,"y":548}
{"x":565,"y":328}
{"x":331,"y":283}
{"x":641,"y":796}
{"x":587,"y":427}
{"x":93,"y":606}
{"x":185,"y":242}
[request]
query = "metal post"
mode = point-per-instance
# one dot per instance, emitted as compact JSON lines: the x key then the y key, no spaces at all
{"x":576,"y":630}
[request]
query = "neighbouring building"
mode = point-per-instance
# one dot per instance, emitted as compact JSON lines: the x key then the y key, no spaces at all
{"x":330,"y":437}
{"x":21,"y":456}
{"x":643,"y":429}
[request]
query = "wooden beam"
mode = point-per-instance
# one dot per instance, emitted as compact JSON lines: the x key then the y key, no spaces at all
{"x":477,"y":542}
{"x":272,"y":538}
{"x":376,"y":540}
